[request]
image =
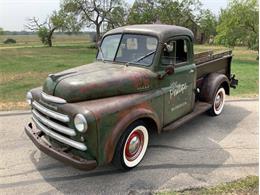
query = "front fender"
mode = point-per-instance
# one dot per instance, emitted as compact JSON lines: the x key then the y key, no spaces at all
{"x":114,"y":114}
{"x":127,"y":118}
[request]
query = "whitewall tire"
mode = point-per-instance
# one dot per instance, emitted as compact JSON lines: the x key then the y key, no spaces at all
{"x":132,"y":146}
{"x":218,"y":102}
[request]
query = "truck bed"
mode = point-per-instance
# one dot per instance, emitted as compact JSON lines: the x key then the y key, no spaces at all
{"x":207,"y":62}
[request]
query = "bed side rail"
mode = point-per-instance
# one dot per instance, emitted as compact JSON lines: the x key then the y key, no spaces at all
{"x":208,"y":56}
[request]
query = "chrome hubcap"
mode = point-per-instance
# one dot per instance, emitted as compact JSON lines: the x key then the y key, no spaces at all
{"x":134,"y":144}
{"x":218,"y":101}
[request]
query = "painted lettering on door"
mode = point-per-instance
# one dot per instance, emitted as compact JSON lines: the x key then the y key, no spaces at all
{"x":177,"y":88}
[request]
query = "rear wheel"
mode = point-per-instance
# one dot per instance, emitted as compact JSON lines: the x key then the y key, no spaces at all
{"x":218,"y":102}
{"x":132,"y":146}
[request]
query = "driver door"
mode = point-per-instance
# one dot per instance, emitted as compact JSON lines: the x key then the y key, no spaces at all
{"x":178,"y":88}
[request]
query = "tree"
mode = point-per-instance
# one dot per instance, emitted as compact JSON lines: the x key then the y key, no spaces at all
{"x":239,"y":24}
{"x":180,"y":12}
{"x":91,"y":12}
{"x":117,"y":17}
{"x":57,"y":21}
{"x":143,"y":12}
{"x":173,"y":12}
{"x":208,"y":23}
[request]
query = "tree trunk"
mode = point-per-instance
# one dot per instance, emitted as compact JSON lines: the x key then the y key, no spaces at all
{"x":49,"y":42}
{"x":49,"y":38}
{"x":98,"y":33}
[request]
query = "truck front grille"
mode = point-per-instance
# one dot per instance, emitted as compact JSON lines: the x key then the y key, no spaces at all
{"x":53,"y":124}
{"x":50,"y":113}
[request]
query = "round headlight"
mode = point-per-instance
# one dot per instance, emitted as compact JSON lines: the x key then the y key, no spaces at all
{"x":80,"y":123}
{"x":29,"y":97}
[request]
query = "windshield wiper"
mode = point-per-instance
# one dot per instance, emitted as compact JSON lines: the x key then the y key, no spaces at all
{"x":102,"y":54}
{"x":141,"y":58}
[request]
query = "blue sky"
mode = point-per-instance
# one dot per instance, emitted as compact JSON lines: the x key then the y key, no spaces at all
{"x":14,"y":13}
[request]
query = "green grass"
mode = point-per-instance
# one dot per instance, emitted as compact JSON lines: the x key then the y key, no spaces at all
{"x":25,"y":68}
{"x":33,"y":40}
{"x":249,"y":185}
{"x":25,"y":65}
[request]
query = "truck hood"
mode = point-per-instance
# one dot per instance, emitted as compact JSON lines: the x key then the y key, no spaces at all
{"x":99,"y":80}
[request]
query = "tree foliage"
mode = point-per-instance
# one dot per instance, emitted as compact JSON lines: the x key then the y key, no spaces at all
{"x":117,"y":17}
{"x":143,"y":12}
{"x":239,"y":24}
{"x":181,"y":12}
{"x":208,"y":23}
{"x":92,"y":12}
{"x":43,"y":35}
{"x":10,"y":41}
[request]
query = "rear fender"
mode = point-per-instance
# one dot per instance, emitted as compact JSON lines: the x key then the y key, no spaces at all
{"x":211,"y":84}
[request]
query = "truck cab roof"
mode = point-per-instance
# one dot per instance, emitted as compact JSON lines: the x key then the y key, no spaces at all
{"x":162,"y":31}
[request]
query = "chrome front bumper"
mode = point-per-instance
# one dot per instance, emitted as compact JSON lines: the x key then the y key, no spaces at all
{"x":58,"y":153}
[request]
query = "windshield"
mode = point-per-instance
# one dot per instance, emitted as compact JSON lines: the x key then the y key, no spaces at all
{"x":131,"y":48}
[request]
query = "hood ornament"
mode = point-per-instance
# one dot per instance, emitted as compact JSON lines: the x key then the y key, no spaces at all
{"x":54,"y":77}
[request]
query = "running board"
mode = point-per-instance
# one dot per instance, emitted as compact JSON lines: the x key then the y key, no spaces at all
{"x":199,"y":108}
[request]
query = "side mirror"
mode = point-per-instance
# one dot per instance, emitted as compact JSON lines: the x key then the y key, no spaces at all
{"x":168,"y":71}
{"x":169,"y":47}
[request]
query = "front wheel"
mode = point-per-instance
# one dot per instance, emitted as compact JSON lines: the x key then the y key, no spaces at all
{"x":218,"y":102}
{"x":132,"y":146}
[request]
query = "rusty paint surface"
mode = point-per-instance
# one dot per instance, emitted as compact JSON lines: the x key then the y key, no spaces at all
{"x":114,"y":114}
{"x":99,"y":80}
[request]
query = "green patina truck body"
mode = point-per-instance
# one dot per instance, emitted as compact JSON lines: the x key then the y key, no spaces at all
{"x":145,"y":78}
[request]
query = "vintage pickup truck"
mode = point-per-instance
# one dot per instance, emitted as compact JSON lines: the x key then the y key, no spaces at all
{"x":145,"y":78}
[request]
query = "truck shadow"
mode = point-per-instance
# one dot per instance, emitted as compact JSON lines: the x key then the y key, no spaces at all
{"x":192,"y":149}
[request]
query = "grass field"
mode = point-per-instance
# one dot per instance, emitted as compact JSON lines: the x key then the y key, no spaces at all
{"x":26,"y":64}
{"x":34,"y":41}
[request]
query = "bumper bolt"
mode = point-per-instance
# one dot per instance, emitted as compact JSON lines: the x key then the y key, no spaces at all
{"x":82,"y":139}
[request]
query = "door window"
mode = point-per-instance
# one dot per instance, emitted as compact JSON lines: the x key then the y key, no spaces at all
{"x":175,"y":52}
